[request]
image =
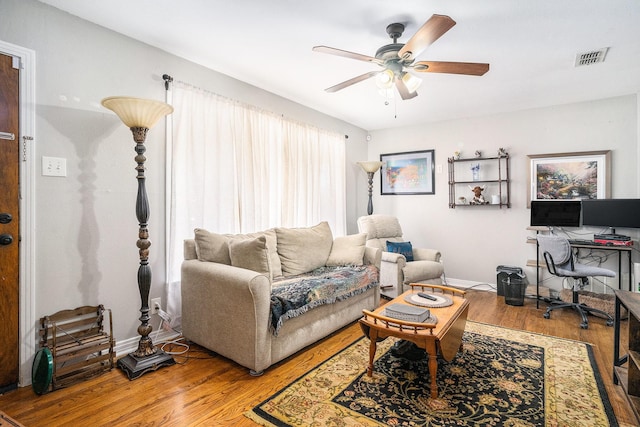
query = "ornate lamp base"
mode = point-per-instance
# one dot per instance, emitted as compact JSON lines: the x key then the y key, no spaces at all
{"x":135,"y":366}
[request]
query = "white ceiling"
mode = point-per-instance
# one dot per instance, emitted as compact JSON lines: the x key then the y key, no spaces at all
{"x":531,"y":46}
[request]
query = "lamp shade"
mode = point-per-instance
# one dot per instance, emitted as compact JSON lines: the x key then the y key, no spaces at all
{"x":137,"y":112}
{"x":371,"y":167}
{"x":384,"y":80}
{"x":412,"y":82}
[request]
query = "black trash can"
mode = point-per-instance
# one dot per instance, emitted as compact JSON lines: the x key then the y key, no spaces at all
{"x":514,"y":289}
{"x":505,"y":271}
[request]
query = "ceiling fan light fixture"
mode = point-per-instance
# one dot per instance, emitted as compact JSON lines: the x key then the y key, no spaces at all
{"x":411,"y":82}
{"x":384,"y":80}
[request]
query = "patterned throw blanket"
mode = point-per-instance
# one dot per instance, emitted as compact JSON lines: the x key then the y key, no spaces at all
{"x":296,"y":295}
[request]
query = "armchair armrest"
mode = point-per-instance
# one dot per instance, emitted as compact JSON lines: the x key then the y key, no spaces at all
{"x":394,"y":258}
{"x":421,"y":254}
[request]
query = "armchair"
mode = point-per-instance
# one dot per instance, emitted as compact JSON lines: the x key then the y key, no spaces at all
{"x":396,"y":273}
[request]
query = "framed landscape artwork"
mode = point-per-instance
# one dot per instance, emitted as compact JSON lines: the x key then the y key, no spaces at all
{"x":408,"y":173}
{"x":567,"y":176}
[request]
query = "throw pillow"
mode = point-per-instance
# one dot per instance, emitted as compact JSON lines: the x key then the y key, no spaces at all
{"x":251,"y":254}
{"x":402,"y":248}
{"x":274,"y":258}
{"x":212,"y":247}
{"x":347,"y":250}
{"x":304,"y":249}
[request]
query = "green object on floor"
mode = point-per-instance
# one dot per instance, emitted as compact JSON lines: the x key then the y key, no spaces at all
{"x":42,"y":371}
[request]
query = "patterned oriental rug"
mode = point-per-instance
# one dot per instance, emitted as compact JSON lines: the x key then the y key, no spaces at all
{"x":503,"y":377}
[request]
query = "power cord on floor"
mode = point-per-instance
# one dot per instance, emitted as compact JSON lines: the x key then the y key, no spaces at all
{"x":185,"y":349}
{"x":165,"y":320}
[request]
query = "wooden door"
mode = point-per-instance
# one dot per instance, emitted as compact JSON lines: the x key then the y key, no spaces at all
{"x":9,"y":223}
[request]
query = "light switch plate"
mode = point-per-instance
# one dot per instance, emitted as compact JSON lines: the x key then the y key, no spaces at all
{"x":54,"y":166}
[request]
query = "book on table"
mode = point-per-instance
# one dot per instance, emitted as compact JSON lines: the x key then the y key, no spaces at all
{"x":406,"y":312}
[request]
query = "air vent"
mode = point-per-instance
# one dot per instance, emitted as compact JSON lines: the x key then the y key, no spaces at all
{"x":592,"y":57}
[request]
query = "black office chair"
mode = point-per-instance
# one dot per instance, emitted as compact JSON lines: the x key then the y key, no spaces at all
{"x":560,"y":262}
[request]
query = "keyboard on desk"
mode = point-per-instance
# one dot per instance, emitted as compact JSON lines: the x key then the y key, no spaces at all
{"x":586,"y":242}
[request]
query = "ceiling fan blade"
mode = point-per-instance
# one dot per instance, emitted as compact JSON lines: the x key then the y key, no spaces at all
{"x":346,"y":54}
{"x":404,"y":92}
{"x":431,"y":31}
{"x":468,"y":68}
{"x":352,"y":81}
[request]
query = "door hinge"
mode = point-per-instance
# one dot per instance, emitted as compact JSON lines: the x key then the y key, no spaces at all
{"x":16,"y":63}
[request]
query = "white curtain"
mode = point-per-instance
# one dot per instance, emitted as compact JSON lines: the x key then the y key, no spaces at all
{"x":238,"y":169}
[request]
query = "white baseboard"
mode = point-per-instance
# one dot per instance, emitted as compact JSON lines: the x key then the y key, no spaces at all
{"x":468,"y":284}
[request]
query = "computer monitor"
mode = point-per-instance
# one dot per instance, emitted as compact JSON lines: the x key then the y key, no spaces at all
{"x":612,"y":213}
{"x":555,"y":213}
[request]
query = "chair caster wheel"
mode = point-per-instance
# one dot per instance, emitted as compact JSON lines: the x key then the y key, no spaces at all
{"x":546,"y":315}
{"x":584,"y":325}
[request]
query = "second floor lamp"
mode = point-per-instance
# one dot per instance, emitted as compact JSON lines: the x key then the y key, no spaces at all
{"x":370,"y":168}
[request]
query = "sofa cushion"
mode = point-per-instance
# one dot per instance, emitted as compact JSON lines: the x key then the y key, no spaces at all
{"x":251,"y":254}
{"x":270,"y":235}
{"x":304,"y":249}
{"x":347,"y":250}
{"x":402,"y":248}
{"x":212,"y":247}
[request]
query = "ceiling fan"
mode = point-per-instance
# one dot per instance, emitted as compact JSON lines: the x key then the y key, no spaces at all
{"x":397,"y":59}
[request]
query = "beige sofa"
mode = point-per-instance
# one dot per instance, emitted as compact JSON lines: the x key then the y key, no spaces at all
{"x":231,"y":282}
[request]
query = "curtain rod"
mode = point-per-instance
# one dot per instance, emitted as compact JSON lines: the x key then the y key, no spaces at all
{"x":167,"y":79}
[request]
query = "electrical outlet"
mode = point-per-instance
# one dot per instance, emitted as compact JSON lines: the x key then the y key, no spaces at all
{"x":156,"y":305}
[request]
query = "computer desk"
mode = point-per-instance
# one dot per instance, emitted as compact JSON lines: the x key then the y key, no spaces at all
{"x":618,"y":248}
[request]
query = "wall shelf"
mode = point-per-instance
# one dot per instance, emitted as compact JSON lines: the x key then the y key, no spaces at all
{"x":493,"y":175}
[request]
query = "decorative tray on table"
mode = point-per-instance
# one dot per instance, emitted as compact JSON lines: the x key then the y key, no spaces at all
{"x":438,"y":301}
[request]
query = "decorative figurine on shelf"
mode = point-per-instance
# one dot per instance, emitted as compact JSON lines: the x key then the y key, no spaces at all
{"x":475,"y":171}
{"x":456,"y":155}
{"x":478,"y":198}
{"x":502,"y":152}
{"x":478,"y":154}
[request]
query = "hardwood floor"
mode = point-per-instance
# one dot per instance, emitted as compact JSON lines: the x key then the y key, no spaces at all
{"x":208,"y":390}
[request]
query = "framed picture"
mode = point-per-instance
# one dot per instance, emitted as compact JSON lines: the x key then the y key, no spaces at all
{"x":408,"y":173}
{"x":567,"y":176}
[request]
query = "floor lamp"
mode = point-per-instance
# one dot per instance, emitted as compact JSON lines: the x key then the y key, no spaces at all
{"x":140,"y":115}
{"x":370,"y":168}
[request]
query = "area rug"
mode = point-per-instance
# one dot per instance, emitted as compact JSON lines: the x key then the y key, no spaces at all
{"x":503,"y":377}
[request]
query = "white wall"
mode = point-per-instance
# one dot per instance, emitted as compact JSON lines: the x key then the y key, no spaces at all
{"x":86,"y":229}
{"x":475,"y":241}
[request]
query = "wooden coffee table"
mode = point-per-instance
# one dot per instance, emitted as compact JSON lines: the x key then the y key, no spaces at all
{"x":443,"y":338}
